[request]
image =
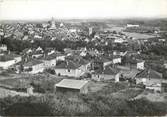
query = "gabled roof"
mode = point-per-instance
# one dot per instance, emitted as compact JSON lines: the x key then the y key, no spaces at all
{"x":14,"y":55}
{"x":149,"y":74}
{"x":116,"y":56}
{"x":102,"y":59}
{"x":68,"y":64}
{"x":139,"y":61}
{"x":108,"y":70}
{"x":53,"y":56}
{"x":33,"y":62}
{"x":72,"y":84}
{"x":5,"y":58}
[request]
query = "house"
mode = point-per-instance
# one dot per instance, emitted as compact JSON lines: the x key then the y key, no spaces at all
{"x":161,"y":40}
{"x":60,"y":57}
{"x":37,"y":54}
{"x":68,"y":68}
{"x":36,"y":36}
{"x":49,"y":61}
{"x":39,"y":49}
{"x":3,"y":47}
{"x":119,"y":40}
{"x":93,"y":52}
{"x":150,"y":78}
{"x":106,"y":61}
{"x":132,"y":25}
{"x":165,"y":64}
{"x":140,"y":64}
{"x":116,"y":59}
{"x":33,"y":66}
{"x":74,"y":66}
{"x":8,"y":60}
{"x":131,"y":53}
{"x":96,"y":64}
{"x":84,"y":64}
{"x":116,"y":53}
{"x":73,"y":86}
{"x":83,"y":53}
{"x":50,"y":51}
{"x":108,"y":73}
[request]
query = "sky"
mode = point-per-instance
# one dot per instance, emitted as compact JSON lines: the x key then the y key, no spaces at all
{"x":80,"y":9}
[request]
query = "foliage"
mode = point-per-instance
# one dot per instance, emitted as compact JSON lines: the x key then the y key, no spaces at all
{"x":94,"y":104}
{"x":49,"y":70}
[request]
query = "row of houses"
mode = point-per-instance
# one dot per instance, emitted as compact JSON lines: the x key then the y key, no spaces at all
{"x":69,"y":64}
{"x":152,"y":80}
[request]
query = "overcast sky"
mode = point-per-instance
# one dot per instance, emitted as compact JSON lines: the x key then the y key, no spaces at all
{"x":41,"y":9}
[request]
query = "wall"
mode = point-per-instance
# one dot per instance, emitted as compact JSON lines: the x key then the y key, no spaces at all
{"x":84,"y":89}
{"x":50,"y":63}
{"x":62,"y":58}
{"x":140,"y":65}
{"x":70,"y":72}
{"x":18,"y":59}
{"x":116,"y":60}
{"x":101,"y":77}
{"x":37,"y":68}
{"x":6,"y":64}
{"x":65,"y":90}
{"x":107,"y":63}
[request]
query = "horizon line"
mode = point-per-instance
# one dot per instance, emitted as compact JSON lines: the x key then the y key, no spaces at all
{"x":88,"y":18}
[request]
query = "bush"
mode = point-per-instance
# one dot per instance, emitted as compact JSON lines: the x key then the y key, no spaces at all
{"x":94,"y":104}
{"x":49,"y":70}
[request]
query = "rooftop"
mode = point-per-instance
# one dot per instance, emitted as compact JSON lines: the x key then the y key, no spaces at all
{"x":5,"y":58}
{"x":77,"y":59}
{"x":72,"y":84}
{"x":149,"y":74}
{"x":67,"y":65}
{"x":53,"y":56}
{"x":108,"y":70}
{"x":33,"y":62}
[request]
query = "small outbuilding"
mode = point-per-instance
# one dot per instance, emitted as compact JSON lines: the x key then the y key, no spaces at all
{"x":74,"y":86}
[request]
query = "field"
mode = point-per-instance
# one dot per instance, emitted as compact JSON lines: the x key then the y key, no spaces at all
{"x":139,"y":35}
{"x":134,"y":35}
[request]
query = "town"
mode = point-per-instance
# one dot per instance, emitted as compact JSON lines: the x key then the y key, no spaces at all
{"x":77,"y":63}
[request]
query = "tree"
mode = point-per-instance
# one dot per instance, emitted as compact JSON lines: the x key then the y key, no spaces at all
{"x":164,"y":74}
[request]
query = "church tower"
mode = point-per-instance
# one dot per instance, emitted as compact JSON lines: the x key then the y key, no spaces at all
{"x":53,"y":25}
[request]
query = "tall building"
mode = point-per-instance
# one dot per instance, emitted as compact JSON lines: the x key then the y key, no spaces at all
{"x":53,"y":25}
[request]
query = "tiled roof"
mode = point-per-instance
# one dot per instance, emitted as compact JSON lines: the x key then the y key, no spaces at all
{"x":149,"y":74}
